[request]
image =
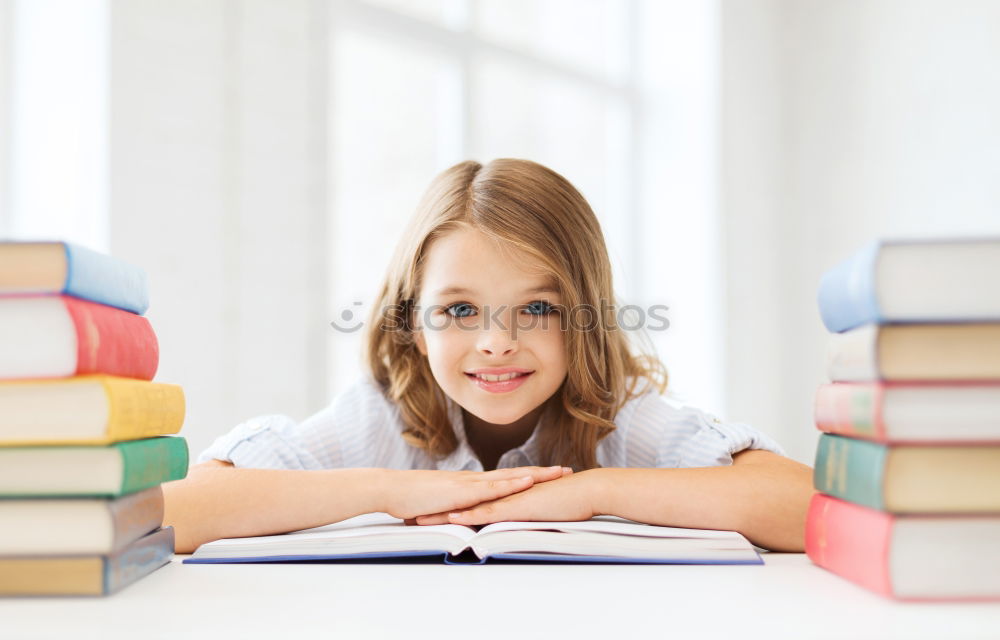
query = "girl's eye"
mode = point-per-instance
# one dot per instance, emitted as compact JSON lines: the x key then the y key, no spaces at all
{"x":459,"y":309}
{"x":539,"y":307}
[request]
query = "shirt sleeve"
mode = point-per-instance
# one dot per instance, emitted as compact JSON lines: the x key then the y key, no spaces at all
{"x":348,"y":433}
{"x":685,"y":436}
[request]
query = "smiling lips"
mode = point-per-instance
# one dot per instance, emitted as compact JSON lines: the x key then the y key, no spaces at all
{"x":499,"y":379}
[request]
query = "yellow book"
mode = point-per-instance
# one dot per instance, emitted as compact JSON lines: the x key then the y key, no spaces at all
{"x":96,"y":409}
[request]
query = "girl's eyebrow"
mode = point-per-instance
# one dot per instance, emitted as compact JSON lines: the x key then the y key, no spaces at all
{"x":447,"y":291}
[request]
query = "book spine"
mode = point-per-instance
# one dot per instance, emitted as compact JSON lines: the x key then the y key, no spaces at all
{"x":853,"y":356}
{"x":141,"y":409}
{"x":850,"y":541}
{"x":847,"y":292}
{"x":147,"y":463}
{"x":135,"y":515}
{"x":851,"y":410}
{"x":851,"y":470}
{"x":112,"y":341}
{"x":101,"y":278}
{"x":138,"y":560}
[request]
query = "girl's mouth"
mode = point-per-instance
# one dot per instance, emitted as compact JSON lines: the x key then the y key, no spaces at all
{"x":499,"y":386}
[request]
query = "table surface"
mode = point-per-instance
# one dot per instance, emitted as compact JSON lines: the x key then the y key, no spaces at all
{"x":787,"y":597}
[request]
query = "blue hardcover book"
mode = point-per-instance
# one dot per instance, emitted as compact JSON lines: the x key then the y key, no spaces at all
{"x":64,"y":268}
{"x":83,"y":575}
{"x":911,"y":281}
{"x":381,"y":538}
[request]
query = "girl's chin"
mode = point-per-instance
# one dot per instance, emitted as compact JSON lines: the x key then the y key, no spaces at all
{"x":498,"y":418}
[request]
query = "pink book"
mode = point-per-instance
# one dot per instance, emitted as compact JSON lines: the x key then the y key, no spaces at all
{"x":886,"y":412}
{"x":912,"y":557}
{"x":45,"y":336}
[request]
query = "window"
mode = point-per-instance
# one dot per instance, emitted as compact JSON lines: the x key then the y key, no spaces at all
{"x":58,"y":111}
{"x":579,"y":85}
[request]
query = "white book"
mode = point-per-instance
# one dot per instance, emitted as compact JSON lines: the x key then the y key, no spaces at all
{"x":915,"y":353}
{"x":380,"y":536}
{"x":77,"y":526}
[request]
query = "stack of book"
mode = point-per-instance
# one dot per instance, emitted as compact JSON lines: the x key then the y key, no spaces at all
{"x":908,"y":465}
{"x":82,"y":452}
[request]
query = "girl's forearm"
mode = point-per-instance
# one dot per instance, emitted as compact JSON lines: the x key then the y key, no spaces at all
{"x":219,"y":501}
{"x":765,"y":501}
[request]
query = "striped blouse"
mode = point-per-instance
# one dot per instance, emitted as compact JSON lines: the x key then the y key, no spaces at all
{"x":362,"y":428}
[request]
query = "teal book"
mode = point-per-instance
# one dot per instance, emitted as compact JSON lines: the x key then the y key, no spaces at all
{"x":851,"y":470}
{"x":104,"y":470}
{"x":910,"y":479}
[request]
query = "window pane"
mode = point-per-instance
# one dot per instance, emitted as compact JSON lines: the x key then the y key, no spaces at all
{"x":579,"y":132}
{"x":59,"y":113}
{"x":394,"y":124}
{"x":588,"y":34}
{"x":447,"y":13}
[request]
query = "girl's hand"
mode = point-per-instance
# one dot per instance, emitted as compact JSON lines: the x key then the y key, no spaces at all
{"x":567,"y":499}
{"x":408,"y":494}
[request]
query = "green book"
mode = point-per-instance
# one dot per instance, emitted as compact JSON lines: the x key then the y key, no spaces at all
{"x":850,"y":469}
{"x":105,"y":470}
{"x":910,"y":479}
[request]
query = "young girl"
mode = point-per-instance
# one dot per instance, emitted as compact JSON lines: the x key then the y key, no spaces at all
{"x":494,"y":346}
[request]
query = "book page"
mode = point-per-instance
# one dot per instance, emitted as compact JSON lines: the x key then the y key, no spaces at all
{"x":613,"y":525}
{"x":369,"y":524}
{"x":586,"y":543}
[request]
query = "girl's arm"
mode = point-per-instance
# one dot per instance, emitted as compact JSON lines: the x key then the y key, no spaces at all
{"x":762,"y":495}
{"x":217,"y":500}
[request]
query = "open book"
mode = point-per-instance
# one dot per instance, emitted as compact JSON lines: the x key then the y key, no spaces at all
{"x":378,"y":536}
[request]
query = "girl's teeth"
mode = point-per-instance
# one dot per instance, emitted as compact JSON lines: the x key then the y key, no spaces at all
{"x":492,"y":378}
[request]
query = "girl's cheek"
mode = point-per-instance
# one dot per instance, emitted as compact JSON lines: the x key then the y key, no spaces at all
{"x":455,"y":337}
{"x":547,"y":326}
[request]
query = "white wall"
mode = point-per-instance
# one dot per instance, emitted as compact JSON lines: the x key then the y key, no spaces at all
{"x":843,"y":121}
{"x":677,"y":240}
{"x":58,"y":121}
{"x":5,"y":67}
{"x":217,"y":173}
{"x":752,"y":148}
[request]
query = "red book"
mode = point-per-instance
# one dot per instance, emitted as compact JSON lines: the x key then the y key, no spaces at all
{"x":921,"y":413}
{"x":918,"y":557}
{"x":45,"y":336}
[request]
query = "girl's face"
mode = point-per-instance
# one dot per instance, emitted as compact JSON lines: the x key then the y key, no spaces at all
{"x":485,"y":312}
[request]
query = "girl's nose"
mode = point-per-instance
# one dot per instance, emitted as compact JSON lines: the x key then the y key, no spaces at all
{"x":497,"y":340}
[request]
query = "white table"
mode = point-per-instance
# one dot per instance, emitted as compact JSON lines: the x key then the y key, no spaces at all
{"x":788,"y":597}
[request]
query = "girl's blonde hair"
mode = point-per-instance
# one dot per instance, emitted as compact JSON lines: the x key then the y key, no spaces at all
{"x":527,"y":207}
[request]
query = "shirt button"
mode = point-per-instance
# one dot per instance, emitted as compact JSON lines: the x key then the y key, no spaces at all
{"x":255,"y":426}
